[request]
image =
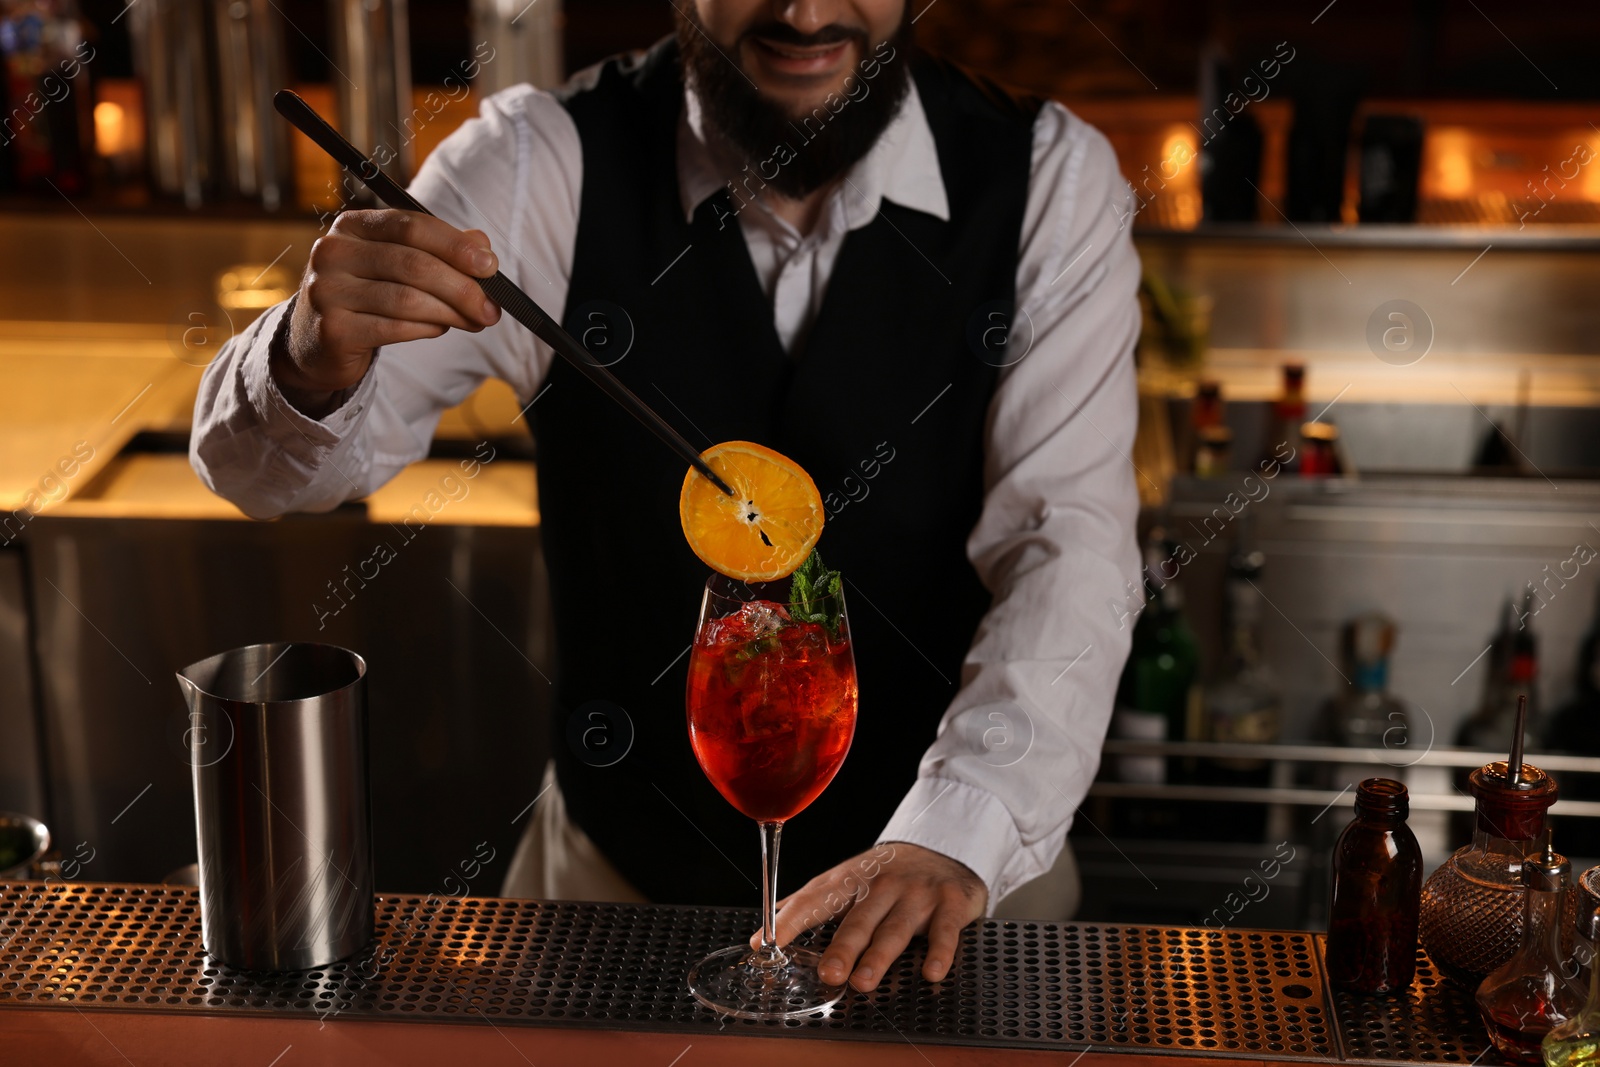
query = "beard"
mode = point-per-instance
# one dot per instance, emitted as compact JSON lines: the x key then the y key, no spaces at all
{"x":822,"y":143}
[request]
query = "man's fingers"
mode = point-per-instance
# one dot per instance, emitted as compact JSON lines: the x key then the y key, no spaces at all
{"x":883,"y":908}
{"x":853,"y":936}
{"x":944,"y":937}
{"x":364,"y":331}
{"x":799,"y":913}
{"x":466,"y":251}
{"x":893,"y":934}
{"x":396,"y":301}
{"x":420,"y":270}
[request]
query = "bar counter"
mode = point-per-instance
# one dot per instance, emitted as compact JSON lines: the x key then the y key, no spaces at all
{"x":115,"y":974}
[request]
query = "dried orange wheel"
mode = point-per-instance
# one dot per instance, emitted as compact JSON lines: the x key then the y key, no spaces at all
{"x":767,"y":528}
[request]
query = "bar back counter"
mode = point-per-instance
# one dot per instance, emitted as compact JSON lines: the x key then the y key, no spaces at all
{"x":103,"y":973}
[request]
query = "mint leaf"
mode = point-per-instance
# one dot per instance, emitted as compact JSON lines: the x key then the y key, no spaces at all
{"x":814,"y":594}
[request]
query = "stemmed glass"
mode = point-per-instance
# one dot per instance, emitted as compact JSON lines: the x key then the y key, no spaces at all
{"x":772,"y":710}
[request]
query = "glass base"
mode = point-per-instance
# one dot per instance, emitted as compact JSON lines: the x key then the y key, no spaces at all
{"x":735,"y":982}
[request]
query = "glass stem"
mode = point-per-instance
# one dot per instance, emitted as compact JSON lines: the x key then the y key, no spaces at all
{"x":770,"y":951}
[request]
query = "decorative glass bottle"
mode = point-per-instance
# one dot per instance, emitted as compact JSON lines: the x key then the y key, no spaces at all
{"x":1531,"y":994}
{"x":1472,"y":909}
{"x":1377,"y":882}
{"x":1576,"y":1042}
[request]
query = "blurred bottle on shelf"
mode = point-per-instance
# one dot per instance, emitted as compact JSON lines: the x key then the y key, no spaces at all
{"x":1534,"y":991}
{"x":371,"y":46}
{"x":1321,"y":454}
{"x":1210,"y":439}
{"x":1513,"y":676}
{"x":1325,"y":95}
{"x":1207,"y":409}
{"x":1243,"y":703}
{"x":170,"y":46}
{"x":47,"y":121}
{"x":1575,"y":726}
{"x":1157,"y":689}
{"x":1231,"y":142}
{"x":1366,"y":715}
{"x":1284,"y":447}
{"x":1391,"y":164}
{"x":1213,"y":452}
{"x":1377,"y":886}
{"x":251,"y":66}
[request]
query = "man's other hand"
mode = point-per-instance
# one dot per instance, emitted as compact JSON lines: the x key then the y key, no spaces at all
{"x":887,"y":895}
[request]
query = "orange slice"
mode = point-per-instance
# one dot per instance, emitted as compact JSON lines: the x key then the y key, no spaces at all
{"x":767,"y":528}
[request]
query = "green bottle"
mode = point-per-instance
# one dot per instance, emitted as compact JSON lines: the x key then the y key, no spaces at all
{"x":1156,"y":698}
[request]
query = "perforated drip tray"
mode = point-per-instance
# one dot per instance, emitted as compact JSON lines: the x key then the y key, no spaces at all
{"x":1435,"y":1021}
{"x":622,"y":967}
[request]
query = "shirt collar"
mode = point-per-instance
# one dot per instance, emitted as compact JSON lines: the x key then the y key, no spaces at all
{"x":902,"y":166}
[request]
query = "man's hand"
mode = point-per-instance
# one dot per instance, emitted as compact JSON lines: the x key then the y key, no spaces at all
{"x":378,"y":278}
{"x":887,"y":895}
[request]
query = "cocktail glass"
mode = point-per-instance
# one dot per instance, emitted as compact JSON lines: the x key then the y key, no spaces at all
{"x":772,"y":709}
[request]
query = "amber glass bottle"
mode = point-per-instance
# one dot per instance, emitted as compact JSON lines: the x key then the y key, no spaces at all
{"x":1377,"y":887}
{"x":1472,"y":906}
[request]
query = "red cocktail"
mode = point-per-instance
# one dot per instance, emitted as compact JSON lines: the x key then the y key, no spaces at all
{"x":772,"y":709}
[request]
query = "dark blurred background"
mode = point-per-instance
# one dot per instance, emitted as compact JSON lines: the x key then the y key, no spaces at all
{"x":1075,"y":50}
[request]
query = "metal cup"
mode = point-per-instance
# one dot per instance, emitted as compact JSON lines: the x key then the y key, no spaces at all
{"x":278,"y":748}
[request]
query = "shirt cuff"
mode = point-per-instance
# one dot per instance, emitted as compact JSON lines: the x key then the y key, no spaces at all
{"x":306,"y":439}
{"x":961,"y":821}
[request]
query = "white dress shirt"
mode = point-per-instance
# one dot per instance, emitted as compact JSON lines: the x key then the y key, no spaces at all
{"x":1020,"y":743}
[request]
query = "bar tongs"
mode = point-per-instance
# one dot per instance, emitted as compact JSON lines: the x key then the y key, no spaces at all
{"x":502,"y":290}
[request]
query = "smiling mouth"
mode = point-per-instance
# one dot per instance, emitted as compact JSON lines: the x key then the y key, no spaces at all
{"x":799,"y":53}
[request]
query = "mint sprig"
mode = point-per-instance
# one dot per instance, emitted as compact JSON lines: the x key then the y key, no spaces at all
{"x":814,"y":594}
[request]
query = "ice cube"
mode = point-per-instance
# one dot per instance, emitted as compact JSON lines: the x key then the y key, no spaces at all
{"x":752,"y":622}
{"x":761,"y":617}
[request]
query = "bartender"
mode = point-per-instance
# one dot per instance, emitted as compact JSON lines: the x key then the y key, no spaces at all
{"x":787,"y":225}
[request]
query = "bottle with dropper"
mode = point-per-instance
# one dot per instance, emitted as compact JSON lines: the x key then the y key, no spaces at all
{"x":1536,"y":990}
{"x":1472,"y":906}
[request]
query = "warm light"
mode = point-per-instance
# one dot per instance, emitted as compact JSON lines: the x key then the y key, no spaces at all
{"x":1451,"y":170}
{"x":1179,"y":151}
{"x":110,"y":128}
{"x":1180,"y":168}
{"x":253,"y":287}
{"x":1591,"y":169}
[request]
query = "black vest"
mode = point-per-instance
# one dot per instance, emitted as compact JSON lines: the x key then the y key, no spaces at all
{"x":885,"y":407}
